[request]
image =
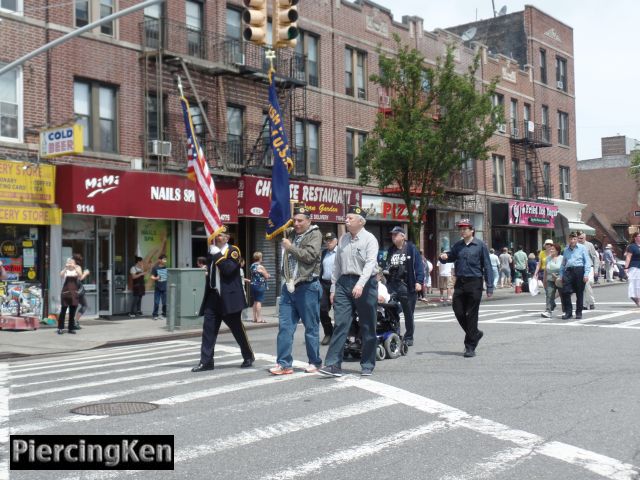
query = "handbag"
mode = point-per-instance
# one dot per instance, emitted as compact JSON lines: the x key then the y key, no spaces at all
{"x":80,"y":289}
{"x":558,"y":282}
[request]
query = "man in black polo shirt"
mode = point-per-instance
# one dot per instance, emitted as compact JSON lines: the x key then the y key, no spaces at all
{"x":472,"y":263}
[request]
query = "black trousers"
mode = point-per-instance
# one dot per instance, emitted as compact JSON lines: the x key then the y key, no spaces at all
{"x":325,"y":307}
{"x":213,"y":318}
{"x":407,"y":300}
{"x":573,"y":281}
{"x":467,"y":294}
{"x":72,"y":316}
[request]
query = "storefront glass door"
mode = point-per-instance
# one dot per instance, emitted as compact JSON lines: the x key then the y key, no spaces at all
{"x":105,"y":273}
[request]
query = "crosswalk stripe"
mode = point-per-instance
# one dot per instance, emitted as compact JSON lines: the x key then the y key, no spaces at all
{"x":494,"y":465}
{"x":355,"y":453}
{"x":4,"y":421}
{"x":504,"y":319}
{"x":90,"y":363}
{"x":630,"y":323}
{"x":597,"y":318}
{"x":82,"y":355}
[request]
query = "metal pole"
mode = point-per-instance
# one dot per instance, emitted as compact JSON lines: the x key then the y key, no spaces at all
{"x":171,"y":317}
{"x":75,"y":33}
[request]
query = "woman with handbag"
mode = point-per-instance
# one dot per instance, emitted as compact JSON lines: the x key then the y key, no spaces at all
{"x":258,"y":283}
{"x":69,"y":295}
{"x":82,"y":300}
{"x":551,"y":278}
{"x":137,"y":287}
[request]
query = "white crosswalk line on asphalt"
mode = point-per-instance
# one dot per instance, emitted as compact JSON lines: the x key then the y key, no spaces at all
{"x":597,"y":318}
{"x":630,"y":323}
{"x":496,"y":464}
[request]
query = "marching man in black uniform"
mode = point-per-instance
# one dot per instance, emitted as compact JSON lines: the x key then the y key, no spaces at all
{"x":223,"y":301}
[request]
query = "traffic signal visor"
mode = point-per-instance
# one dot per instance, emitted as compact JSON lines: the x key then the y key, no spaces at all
{"x":285,"y":28}
{"x":255,"y":19}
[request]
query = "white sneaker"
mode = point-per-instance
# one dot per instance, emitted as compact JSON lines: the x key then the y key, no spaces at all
{"x":546,"y":314}
{"x":311,"y":368}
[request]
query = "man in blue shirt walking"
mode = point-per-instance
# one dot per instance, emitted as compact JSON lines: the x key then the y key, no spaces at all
{"x":472,"y":263}
{"x":575,"y":268}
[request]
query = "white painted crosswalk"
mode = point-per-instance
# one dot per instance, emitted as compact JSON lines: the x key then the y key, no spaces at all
{"x":36,"y":396}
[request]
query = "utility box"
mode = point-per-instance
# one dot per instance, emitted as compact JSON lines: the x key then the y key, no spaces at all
{"x":189,"y":290}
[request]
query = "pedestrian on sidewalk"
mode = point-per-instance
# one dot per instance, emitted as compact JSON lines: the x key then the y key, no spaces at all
{"x":495,"y":267}
{"x":159,"y":275}
{"x":406,"y":276}
{"x":445,"y":280}
{"x":574,"y":271}
{"x":354,"y":290}
{"x":300,"y":295}
{"x":82,"y":299}
{"x":137,"y":274}
{"x":327,"y":260}
{"x":551,"y":274}
{"x":506,"y":261}
{"x":542,"y":257}
{"x":223,"y":301}
{"x":258,"y":284}
{"x":609,"y":262}
{"x":471,"y":257}
{"x":589,"y":299}
{"x":69,"y":295}
{"x":632,"y":267}
{"x":520,"y":260}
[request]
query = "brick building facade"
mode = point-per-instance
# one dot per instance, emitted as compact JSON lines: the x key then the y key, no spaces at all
{"x":120,"y":82}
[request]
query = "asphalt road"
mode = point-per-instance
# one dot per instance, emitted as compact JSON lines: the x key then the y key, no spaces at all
{"x":543,"y":399}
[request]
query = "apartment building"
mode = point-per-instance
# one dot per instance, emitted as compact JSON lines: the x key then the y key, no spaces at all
{"x":127,"y":193}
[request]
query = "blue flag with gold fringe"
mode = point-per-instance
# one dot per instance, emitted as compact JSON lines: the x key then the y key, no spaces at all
{"x":280,"y":211}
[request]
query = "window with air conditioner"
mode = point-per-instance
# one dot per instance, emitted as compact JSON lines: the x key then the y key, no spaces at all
{"x":355,"y":77}
{"x":517,"y":191}
{"x":561,"y":73}
{"x":565,"y":183}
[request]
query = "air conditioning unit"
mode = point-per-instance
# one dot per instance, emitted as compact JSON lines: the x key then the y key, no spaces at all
{"x":531,"y":126}
{"x":136,"y":164}
{"x":159,"y":149}
{"x":560,"y":84}
{"x":238,"y":59}
{"x":515,"y":132}
{"x":517,"y":191}
{"x":502,"y":128}
{"x":567,"y":196}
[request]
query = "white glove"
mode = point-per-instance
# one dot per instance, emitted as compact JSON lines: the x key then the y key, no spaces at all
{"x":213,"y":250}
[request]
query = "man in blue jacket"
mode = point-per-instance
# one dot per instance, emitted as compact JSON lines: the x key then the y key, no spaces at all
{"x":406,"y":277}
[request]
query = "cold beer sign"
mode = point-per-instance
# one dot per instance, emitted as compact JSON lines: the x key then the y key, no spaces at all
{"x":61,"y":141}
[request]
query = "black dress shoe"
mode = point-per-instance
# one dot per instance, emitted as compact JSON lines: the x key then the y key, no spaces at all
{"x":202,"y":367}
{"x":469,"y":352}
{"x":247,"y":362}
{"x":72,"y":331}
{"x":592,"y":307}
{"x":566,"y":316}
{"x":578,"y":316}
{"x":480,"y":335}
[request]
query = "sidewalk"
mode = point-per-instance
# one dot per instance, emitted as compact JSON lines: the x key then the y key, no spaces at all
{"x":99,"y":332}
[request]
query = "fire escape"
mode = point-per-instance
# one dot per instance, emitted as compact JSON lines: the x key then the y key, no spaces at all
{"x":525,"y":140}
{"x":219,"y":74}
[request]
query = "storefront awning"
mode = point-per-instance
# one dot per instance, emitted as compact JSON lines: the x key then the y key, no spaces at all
{"x":574,"y":226}
{"x":22,"y":214}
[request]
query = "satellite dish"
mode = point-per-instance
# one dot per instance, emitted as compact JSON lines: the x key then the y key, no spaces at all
{"x":469,"y":34}
{"x":503,"y":11}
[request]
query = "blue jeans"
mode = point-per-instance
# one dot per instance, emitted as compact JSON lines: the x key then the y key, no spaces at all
{"x":159,"y":296}
{"x":496,"y":277}
{"x":344,"y":305}
{"x":303,"y":304}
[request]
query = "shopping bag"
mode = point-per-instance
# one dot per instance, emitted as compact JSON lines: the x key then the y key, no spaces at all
{"x":533,"y":286}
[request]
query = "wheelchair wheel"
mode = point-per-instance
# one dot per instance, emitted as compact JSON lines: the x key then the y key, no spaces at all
{"x":393,"y":345}
{"x":381,"y":353}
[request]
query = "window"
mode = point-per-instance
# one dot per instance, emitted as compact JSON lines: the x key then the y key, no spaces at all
{"x":195,"y":43}
{"x":11,"y":105}
{"x":514,"y":117}
{"x":561,"y":73}
{"x":233,"y":42}
{"x":87,"y":11}
{"x":565,"y":183}
{"x":468,"y":173}
{"x":498,"y":174}
{"x":497,"y":99}
{"x":528,"y":180}
{"x":235,"y":131}
{"x":94,"y":106}
{"x":546,"y":178}
{"x":152,"y":19}
{"x":546,"y":136}
{"x":515,"y":177}
{"x":267,"y":156}
{"x":307,"y":147}
{"x":355,"y":73}
{"x":355,"y":141}
{"x":543,"y":65}
{"x":307,"y":46}
{"x":197,"y":119}
{"x":11,"y":5}
{"x":153,"y":121}
{"x":563,"y":128}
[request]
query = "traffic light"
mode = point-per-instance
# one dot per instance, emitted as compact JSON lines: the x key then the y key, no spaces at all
{"x":255,"y":19}
{"x":285,"y":30}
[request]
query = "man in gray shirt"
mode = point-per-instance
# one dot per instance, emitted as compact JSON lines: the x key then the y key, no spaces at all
{"x":589,"y":302}
{"x":354,"y":288}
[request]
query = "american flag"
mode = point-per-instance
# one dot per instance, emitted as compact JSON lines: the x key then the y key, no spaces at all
{"x":198,"y":171}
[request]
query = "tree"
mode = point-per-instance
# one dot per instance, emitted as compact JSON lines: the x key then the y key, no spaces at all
{"x":438,"y":119}
{"x":634,"y":164}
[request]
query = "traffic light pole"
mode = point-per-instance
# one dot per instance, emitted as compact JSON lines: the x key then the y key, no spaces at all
{"x":75,"y":33}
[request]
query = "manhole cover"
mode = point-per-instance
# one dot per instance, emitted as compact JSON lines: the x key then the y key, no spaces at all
{"x":115,"y":408}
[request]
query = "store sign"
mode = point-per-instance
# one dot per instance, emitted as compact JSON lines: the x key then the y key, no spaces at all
{"x":61,"y":141}
{"x":125,"y":193}
{"x":27,"y":182}
{"x":30,"y":215}
{"x":327,"y":203}
{"x":388,"y":208}
{"x":530,"y":214}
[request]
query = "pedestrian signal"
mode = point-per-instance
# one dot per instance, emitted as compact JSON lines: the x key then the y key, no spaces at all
{"x":285,"y":30}
{"x":255,"y":19}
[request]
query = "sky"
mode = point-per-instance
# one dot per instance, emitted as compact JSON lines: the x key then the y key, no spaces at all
{"x":606,"y":55}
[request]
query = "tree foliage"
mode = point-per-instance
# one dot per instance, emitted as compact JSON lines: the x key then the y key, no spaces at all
{"x":438,"y":119}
